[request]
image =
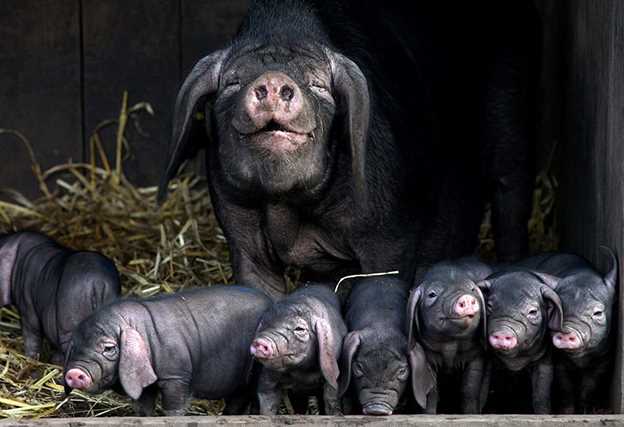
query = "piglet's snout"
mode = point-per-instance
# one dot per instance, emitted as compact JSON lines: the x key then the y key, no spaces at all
{"x":273,"y":96}
{"x":262,"y":348}
{"x":569,"y":341}
{"x":78,"y":379}
{"x":502,"y":340}
{"x":466,"y":305}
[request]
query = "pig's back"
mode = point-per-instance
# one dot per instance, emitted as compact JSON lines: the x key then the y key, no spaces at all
{"x":214,"y":328}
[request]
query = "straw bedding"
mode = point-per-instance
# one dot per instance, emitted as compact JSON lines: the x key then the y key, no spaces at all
{"x":93,"y":206}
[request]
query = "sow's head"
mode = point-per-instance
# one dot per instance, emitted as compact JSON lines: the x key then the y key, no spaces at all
{"x":278,"y":104}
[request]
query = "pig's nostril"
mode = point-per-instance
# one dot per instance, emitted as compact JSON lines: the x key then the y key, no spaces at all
{"x":287,"y":93}
{"x":261,"y":92}
{"x":572,"y":338}
{"x":81,"y":377}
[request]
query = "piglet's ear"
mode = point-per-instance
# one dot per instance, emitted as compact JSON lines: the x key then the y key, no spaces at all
{"x":553,"y":308}
{"x":483,"y":306}
{"x":135,"y":365}
{"x":329,"y":351}
{"x":349,"y":347}
{"x":413,"y":328}
{"x":610,"y":278}
{"x":423,"y":378}
{"x":547,"y":279}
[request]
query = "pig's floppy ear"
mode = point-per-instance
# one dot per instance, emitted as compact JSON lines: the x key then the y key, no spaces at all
{"x":350,"y":84}
{"x":610,"y":278}
{"x":423,"y":378}
{"x":135,"y":365}
{"x":553,"y":308}
{"x":202,"y":81}
{"x":328,"y":351}
{"x":349,"y":347}
{"x":483,"y":305}
{"x":413,"y":326}
{"x":547,"y":279}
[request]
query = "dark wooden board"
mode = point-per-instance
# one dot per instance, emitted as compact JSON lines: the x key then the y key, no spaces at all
{"x":208,"y":26}
{"x":592,"y":185}
{"x":133,"y":45}
{"x":39,"y":86}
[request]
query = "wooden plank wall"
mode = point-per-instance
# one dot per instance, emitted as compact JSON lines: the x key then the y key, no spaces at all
{"x":592,"y":184}
{"x":65,"y":64}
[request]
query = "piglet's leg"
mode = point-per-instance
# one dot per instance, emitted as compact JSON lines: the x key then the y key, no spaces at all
{"x":32,"y":340}
{"x":175,"y":397}
{"x":331,"y":400}
{"x":565,"y":389}
{"x":269,"y":393}
{"x":472,"y":380}
{"x":541,"y":381}
{"x":144,"y":406}
{"x":237,"y":404}
{"x":590,"y":383}
{"x":432,"y":401}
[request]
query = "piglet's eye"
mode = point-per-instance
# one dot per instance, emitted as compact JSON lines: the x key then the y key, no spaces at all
{"x":533,"y":312}
{"x":299,"y":329}
{"x":598,"y":313}
{"x":432,"y":294}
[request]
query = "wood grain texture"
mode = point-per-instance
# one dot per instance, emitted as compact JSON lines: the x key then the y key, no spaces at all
{"x":39,"y":86}
{"x":133,"y":45}
{"x":592,"y":184}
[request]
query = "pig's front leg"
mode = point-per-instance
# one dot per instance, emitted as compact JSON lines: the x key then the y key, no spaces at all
{"x":145,"y":404}
{"x":541,"y":381}
{"x":269,"y":392}
{"x":565,"y":388}
{"x":432,"y":401}
{"x":32,"y":340}
{"x":331,"y":400}
{"x":237,"y":404}
{"x":175,"y":397}
{"x":472,"y":380}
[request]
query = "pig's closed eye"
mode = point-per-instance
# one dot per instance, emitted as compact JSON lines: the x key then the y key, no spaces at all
{"x":110,"y":351}
{"x":357,"y":370}
{"x":301,"y":332}
{"x":598,"y":313}
{"x":402,"y":373}
{"x":432,"y":294}
{"x":533,"y":312}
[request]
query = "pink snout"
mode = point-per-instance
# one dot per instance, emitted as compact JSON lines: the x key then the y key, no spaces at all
{"x":503,"y":340}
{"x":569,"y":341}
{"x":466,"y":305}
{"x":261,"y":349}
{"x":273,"y":96}
{"x":78,"y":379}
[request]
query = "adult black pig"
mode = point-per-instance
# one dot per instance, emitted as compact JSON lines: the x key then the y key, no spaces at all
{"x":189,"y":343}
{"x":446,"y":326}
{"x":523,"y":309}
{"x":349,"y":136}
{"x":53,"y":287}
{"x":375,"y":360}
{"x":298,"y":342}
{"x":585,"y":342}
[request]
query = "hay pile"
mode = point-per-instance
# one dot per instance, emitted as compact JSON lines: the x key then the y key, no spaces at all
{"x":93,"y":206}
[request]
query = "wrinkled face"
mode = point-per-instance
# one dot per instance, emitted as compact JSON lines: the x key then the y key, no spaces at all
{"x":517,"y":317}
{"x":92,"y":362}
{"x":587,"y":310}
{"x":450,"y":310}
{"x":274,"y":111}
{"x":379,"y":375}
{"x":284,"y":340}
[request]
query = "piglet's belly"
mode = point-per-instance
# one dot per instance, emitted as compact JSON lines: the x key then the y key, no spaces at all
{"x":214,"y":383}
